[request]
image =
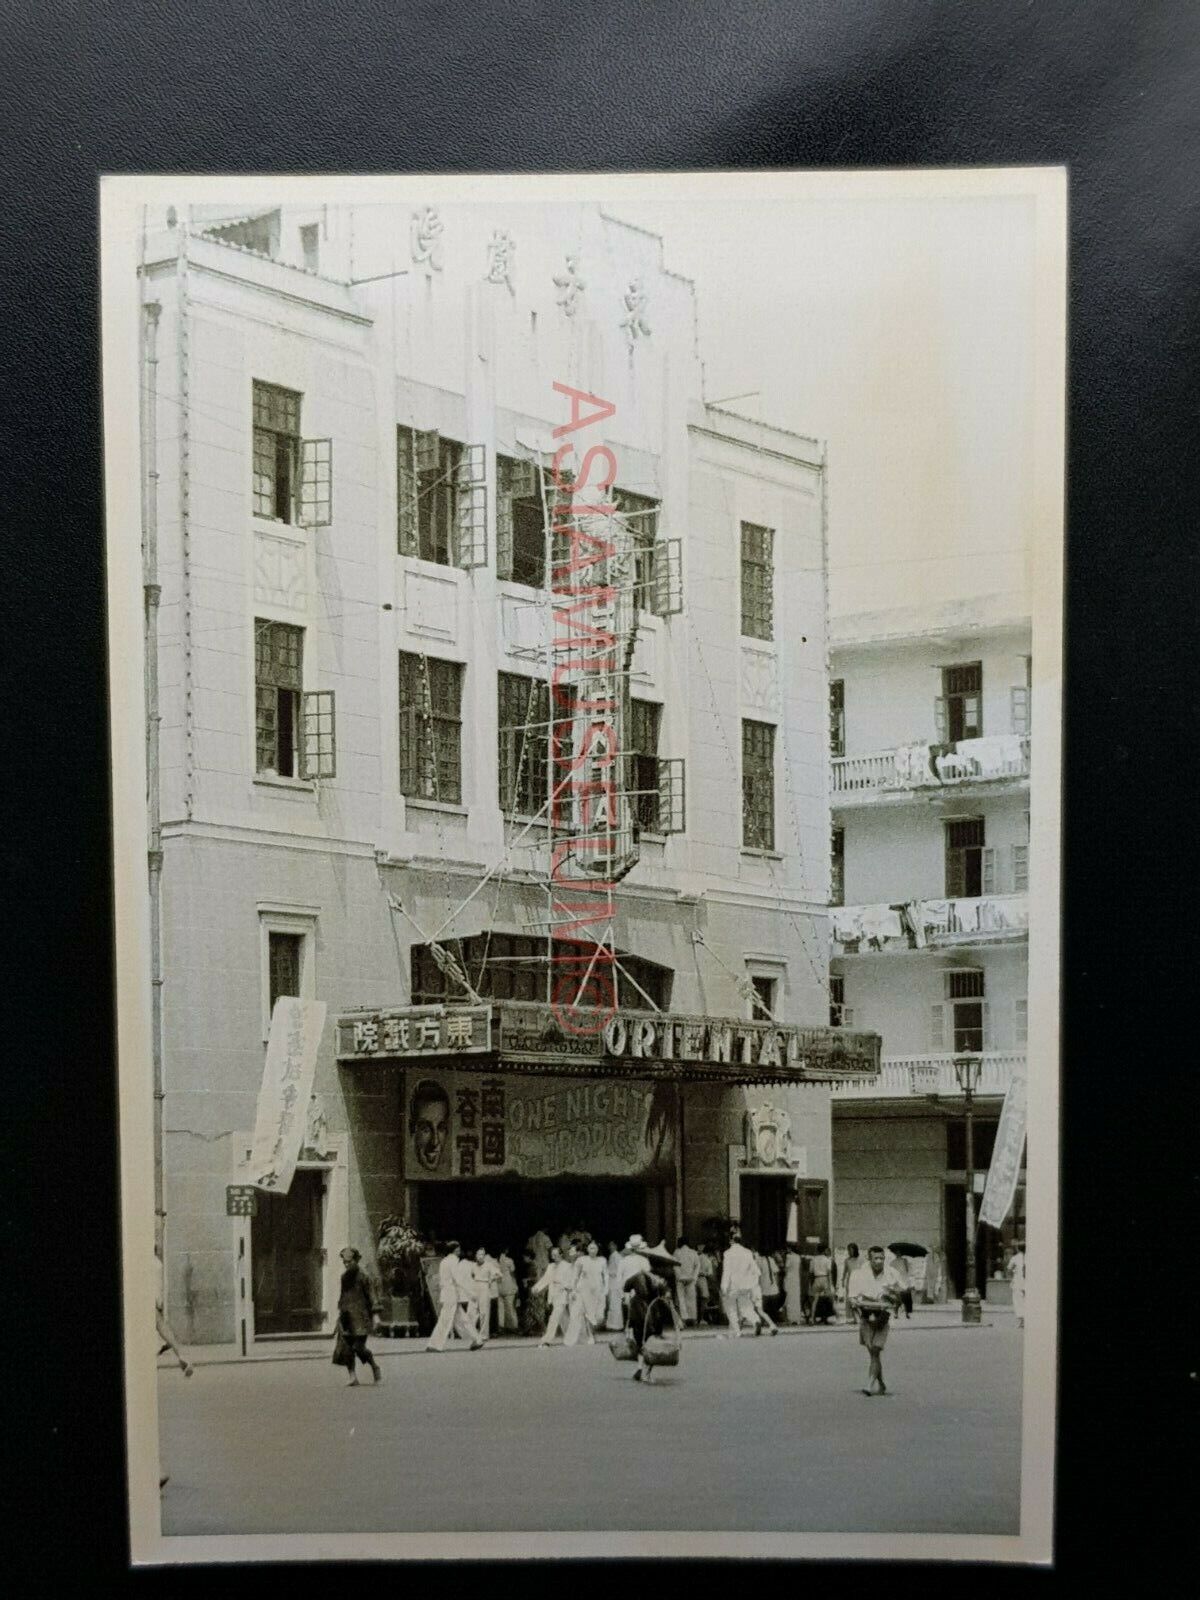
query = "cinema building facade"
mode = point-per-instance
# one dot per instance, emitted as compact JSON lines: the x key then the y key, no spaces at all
{"x":348,"y":415}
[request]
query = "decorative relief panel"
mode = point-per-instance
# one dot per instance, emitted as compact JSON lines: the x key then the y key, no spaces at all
{"x":280,"y":571}
{"x":431,"y":605}
{"x":760,"y":680}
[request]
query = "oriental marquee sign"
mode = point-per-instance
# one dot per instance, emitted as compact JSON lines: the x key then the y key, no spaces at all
{"x":522,"y":1037}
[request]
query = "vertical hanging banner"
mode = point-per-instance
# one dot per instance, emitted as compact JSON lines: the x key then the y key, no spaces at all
{"x":286,"y":1087}
{"x":1001,"y":1186}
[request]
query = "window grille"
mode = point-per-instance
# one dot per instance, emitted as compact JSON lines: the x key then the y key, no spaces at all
{"x":506,"y":966}
{"x":430,"y":728}
{"x":524,"y":743}
{"x":276,"y":452}
{"x":963,"y":983}
{"x":758,"y":785}
{"x":278,"y":683}
{"x":758,"y":581}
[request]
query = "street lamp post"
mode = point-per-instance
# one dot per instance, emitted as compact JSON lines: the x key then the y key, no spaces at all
{"x":967,"y":1069}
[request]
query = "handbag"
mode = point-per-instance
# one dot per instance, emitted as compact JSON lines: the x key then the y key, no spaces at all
{"x":343,"y":1355}
{"x":662,"y":1349}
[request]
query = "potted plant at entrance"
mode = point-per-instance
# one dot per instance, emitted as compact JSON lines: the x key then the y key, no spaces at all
{"x":399,"y":1251}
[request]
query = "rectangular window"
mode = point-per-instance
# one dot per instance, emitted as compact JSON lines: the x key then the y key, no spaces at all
{"x":764,"y":997}
{"x":278,"y":687}
{"x":758,"y":581}
{"x":524,"y":744}
{"x":645,"y":719}
{"x":758,"y":785}
{"x":837,"y":717}
{"x":430,"y":496}
{"x":310,"y":245}
{"x":520,"y":522}
{"x":837,"y":868}
{"x":837,"y":1000}
{"x":284,"y":952}
{"x":964,"y":858}
{"x":276,"y":452}
{"x":960,"y":710}
{"x":641,"y":514}
{"x":430,"y":728}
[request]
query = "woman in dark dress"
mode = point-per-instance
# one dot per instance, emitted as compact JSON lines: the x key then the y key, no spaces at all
{"x":358,"y":1314}
{"x":647,"y":1313}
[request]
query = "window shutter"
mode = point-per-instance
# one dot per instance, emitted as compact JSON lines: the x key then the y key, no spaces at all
{"x":941,"y":720}
{"x":318,"y":736}
{"x":666,"y":588}
{"x":937,"y":1028}
{"x":409,"y":746}
{"x":427,"y":446}
{"x":956,"y":877}
{"x":508,"y":473}
{"x":1021,"y":1021}
{"x":986,"y":1015}
{"x":470,"y":509}
{"x":1021,"y":868}
{"x":1020,"y":708}
{"x":988,"y":873}
{"x":672,"y":808}
{"x":406,"y":507}
{"x":316,"y":482}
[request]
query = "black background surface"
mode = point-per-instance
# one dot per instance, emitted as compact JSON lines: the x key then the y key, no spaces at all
{"x":1110,"y":88}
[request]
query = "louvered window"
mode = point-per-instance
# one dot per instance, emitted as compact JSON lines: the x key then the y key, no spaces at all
{"x":837,"y":867}
{"x":964,"y":857}
{"x":837,"y":717}
{"x":959,"y":712}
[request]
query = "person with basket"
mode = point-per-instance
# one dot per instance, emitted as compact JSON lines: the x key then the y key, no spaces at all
{"x":874,"y":1291}
{"x":652,"y":1335}
{"x":358,"y":1316}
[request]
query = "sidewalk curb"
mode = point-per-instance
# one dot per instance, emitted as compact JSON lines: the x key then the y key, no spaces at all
{"x":412,"y":1347}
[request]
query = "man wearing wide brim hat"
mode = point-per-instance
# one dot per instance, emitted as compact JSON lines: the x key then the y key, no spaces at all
{"x":643,"y":1288}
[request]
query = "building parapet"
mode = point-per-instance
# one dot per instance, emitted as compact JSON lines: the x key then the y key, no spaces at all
{"x":914,"y":1077}
{"x":929,"y":924}
{"x":914,"y":770}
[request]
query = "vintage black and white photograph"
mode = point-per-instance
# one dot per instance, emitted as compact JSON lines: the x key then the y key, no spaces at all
{"x":585,"y":670}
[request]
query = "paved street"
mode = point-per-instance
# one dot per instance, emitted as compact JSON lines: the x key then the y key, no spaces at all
{"x":769,"y":1434}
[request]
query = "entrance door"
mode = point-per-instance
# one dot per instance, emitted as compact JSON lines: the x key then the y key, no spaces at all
{"x":287,"y":1257}
{"x":764,"y":1211}
{"x":504,"y":1213}
{"x":812,"y":1215}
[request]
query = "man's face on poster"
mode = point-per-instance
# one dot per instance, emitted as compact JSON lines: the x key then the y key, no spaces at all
{"x":430,"y":1125}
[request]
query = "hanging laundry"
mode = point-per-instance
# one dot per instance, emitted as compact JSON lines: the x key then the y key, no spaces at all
{"x":881,"y":924}
{"x":914,"y":921}
{"x":847,"y":925}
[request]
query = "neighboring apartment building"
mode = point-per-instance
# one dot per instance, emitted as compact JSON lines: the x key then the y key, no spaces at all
{"x":347,"y":415}
{"x":929,"y":726}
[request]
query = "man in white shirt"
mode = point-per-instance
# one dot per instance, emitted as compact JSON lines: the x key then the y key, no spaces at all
{"x":739,"y":1285}
{"x":872,"y":1293}
{"x":485,"y":1275}
{"x":456,"y":1288}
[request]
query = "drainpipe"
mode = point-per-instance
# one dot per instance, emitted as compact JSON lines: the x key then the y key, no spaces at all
{"x":152,"y":592}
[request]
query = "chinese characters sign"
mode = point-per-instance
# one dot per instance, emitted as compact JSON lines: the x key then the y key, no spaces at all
{"x":286,"y":1087}
{"x":471,"y":1125}
{"x":416,"y":1031}
{"x":241,"y":1200}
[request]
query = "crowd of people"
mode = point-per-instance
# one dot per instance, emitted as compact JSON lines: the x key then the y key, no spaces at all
{"x":571,"y":1290}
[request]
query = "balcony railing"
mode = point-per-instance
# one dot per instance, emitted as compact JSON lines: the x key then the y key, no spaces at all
{"x":894,"y":774}
{"x":912,"y":1077}
{"x":929,"y":924}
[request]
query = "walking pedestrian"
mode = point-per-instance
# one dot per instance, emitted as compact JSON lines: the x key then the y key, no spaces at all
{"x":739,"y":1284}
{"x":358,"y":1316}
{"x":557,"y":1282}
{"x":455,"y":1291}
{"x":1016,"y":1273}
{"x":647,"y":1313}
{"x":687,"y":1277}
{"x":589,"y":1296}
{"x":485,"y":1275}
{"x":874,"y":1290}
{"x":849,"y":1267}
{"x":506,"y":1294}
{"x":759,"y":1295}
{"x":616,"y":1274}
{"x":821,"y":1285}
{"x":706,"y":1288}
{"x":165,"y":1333}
